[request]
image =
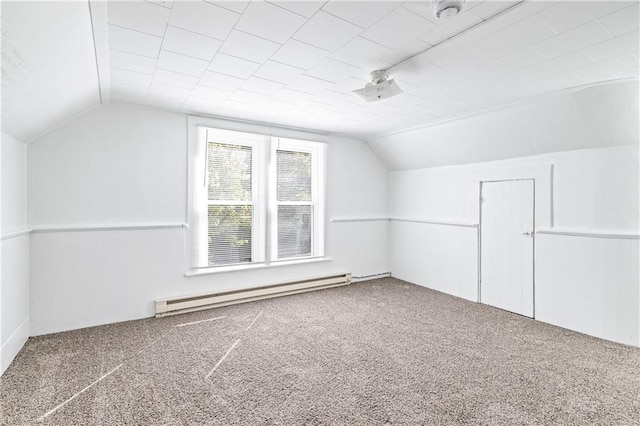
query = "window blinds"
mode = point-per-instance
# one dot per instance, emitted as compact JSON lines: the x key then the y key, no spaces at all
{"x":230,"y":204}
{"x":294,"y":204}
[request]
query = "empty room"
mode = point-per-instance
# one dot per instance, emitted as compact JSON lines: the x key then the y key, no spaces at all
{"x":420,"y":212}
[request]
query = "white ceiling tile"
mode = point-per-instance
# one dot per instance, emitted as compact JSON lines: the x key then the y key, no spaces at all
{"x":568,"y":62}
{"x":164,"y":3}
{"x":505,"y":64}
{"x":249,"y":47}
{"x":361,"y":13}
{"x":174,"y":79}
{"x":251,"y":98}
{"x":363,"y":53}
{"x":490,"y":8}
{"x":233,"y":66}
{"x":131,"y":41}
{"x":139,"y":15}
{"x":452,"y":27}
{"x":327,"y":32}
{"x":214,"y":95}
{"x":408,"y":49}
{"x":162,"y":90}
{"x":397,"y":28}
{"x":275,"y":71}
{"x":189,"y":43}
{"x":269,"y":22}
{"x":574,"y":39}
{"x":220,"y":81}
{"x":300,"y":55}
{"x":306,"y":8}
{"x":607,"y":66}
{"x":131,"y":62}
{"x":628,"y":73}
{"x":524,"y":10}
{"x":623,"y":21}
{"x":128,"y":93}
{"x":310,"y":85}
{"x":203,"y":18}
{"x":233,"y":5}
{"x":262,"y":86}
{"x":332,"y":70}
{"x":618,"y":46}
{"x":291,"y":96}
{"x":175,"y":62}
{"x":570,"y":14}
{"x":200,"y":105}
{"x":130,"y":77}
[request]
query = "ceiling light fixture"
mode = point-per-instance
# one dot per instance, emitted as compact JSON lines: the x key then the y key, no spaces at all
{"x":447,"y":9}
{"x":379,"y":88}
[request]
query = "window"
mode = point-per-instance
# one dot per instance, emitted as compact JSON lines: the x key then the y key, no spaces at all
{"x":255,"y":199}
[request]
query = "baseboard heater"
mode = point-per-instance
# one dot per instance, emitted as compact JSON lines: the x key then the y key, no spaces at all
{"x":197,"y":302}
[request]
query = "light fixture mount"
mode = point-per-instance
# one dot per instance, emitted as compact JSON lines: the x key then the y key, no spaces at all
{"x":447,"y":9}
{"x":379,"y":88}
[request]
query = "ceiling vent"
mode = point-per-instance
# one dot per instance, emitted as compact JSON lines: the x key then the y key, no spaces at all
{"x":447,"y":9}
{"x":379,"y":88}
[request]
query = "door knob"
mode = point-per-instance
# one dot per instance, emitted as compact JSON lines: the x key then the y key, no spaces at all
{"x":528,"y":234}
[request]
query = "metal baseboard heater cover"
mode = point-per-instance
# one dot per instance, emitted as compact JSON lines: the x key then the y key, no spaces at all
{"x":197,"y":302}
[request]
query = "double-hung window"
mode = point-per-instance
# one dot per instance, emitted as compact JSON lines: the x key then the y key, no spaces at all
{"x":255,"y":199}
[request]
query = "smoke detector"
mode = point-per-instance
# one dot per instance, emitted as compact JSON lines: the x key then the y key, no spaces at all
{"x":379,"y":88}
{"x":447,"y":9}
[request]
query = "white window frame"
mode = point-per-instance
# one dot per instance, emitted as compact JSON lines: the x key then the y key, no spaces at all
{"x":264,"y":185}
{"x":317,"y":193}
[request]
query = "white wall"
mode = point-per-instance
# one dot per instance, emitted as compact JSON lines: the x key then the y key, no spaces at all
{"x":123,"y":165}
{"x":14,"y":251}
{"x":585,"y":283}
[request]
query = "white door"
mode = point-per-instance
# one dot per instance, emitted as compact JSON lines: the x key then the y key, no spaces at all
{"x":506,"y":245}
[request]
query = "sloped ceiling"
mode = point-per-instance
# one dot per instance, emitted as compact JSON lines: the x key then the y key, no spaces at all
{"x":295,"y":63}
{"x":48,"y":66}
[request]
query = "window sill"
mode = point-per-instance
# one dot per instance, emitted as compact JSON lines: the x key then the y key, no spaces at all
{"x":252,"y":266}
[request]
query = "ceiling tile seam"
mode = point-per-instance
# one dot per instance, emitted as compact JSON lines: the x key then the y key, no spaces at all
{"x":605,"y":28}
{"x":128,"y":70}
{"x":138,"y":31}
{"x":400,"y":3}
{"x":182,"y":105}
{"x":157,"y":4}
{"x":483,"y":22}
{"x":164,"y":35}
{"x":191,"y":31}
{"x":296,"y":13}
{"x":131,"y":53}
{"x":282,"y":63}
{"x":587,"y":54}
{"x":254,"y":35}
{"x":539,"y":53}
{"x":547,"y":25}
{"x":337,"y":17}
{"x":182,"y":54}
{"x":315,"y":78}
{"x":226,"y":8}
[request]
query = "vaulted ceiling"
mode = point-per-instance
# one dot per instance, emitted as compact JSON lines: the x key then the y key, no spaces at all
{"x":296,"y":63}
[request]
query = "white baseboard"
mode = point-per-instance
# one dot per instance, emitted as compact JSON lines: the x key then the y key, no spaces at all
{"x":13,"y":344}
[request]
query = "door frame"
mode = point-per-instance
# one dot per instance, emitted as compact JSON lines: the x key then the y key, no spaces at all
{"x":480,"y":201}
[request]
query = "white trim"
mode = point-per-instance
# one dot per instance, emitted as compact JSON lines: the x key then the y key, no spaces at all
{"x":14,"y":343}
{"x":17,"y":233}
{"x":436,"y":222}
{"x":123,"y":227}
{"x":358,"y":219}
{"x":255,"y":265}
{"x":568,"y":232}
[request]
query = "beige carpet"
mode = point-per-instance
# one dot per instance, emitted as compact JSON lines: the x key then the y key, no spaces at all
{"x":373,"y":353}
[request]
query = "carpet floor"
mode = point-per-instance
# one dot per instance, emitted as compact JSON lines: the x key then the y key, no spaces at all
{"x":372,"y":353}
